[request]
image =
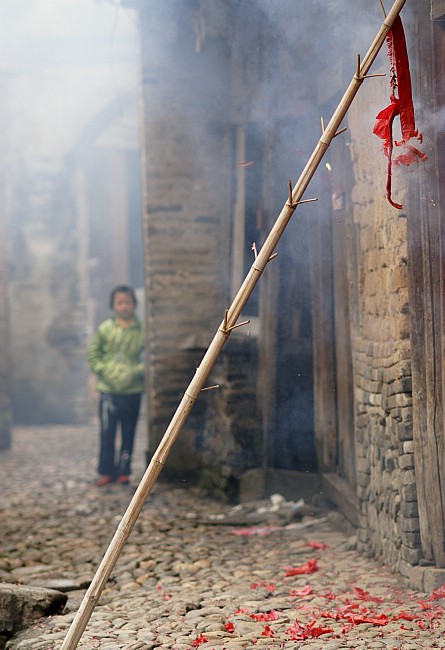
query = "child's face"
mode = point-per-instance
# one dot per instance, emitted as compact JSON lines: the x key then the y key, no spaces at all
{"x":123,"y":305}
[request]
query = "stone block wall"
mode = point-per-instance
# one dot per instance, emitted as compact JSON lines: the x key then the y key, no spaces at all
{"x":230,"y":441}
{"x":187,"y":217}
{"x":386,"y":482}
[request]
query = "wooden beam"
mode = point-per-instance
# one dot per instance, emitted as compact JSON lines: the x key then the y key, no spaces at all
{"x":339,"y":492}
{"x":323,"y":338}
{"x":426,"y":280}
{"x":437,"y":9}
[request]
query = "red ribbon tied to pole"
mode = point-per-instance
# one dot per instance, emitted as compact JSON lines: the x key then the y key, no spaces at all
{"x":402,"y":106}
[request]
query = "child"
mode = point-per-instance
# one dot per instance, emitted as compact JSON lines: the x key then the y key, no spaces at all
{"x":114,"y":357}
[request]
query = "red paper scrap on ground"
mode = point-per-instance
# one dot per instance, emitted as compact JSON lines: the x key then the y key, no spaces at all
{"x":361,"y":594}
{"x":401,"y":105}
{"x":255,"y":530}
{"x":269,"y":616}
{"x":305,"y":591}
{"x":406,"y":616}
{"x":438,"y":593}
{"x":319,"y":545}
{"x":201,"y":639}
{"x":309,"y":567}
{"x":267,"y":631}
{"x":269,"y":586}
{"x":299,"y":632}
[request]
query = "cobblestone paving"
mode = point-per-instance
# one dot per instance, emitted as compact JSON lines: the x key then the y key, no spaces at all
{"x":183,"y":581}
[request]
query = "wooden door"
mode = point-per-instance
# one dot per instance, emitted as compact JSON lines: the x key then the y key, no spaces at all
{"x":426,"y":238}
{"x":332,"y":279}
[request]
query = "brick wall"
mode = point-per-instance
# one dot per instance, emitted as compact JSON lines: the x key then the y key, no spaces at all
{"x":187,"y":214}
{"x":231,"y":439}
{"x":389,"y":524}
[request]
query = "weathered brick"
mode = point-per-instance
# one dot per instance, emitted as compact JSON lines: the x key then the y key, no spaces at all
{"x":411,"y":540}
{"x":411,"y":555}
{"x":408,"y":447}
{"x":406,"y":461}
{"x":409,"y":509}
{"x":433,"y":579}
{"x":409,"y":492}
{"x":410,"y":524}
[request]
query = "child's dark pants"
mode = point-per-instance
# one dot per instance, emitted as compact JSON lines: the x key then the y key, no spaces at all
{"x":115,"y":409}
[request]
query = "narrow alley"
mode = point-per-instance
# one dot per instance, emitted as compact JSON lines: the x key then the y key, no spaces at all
{"x":195,"y":572}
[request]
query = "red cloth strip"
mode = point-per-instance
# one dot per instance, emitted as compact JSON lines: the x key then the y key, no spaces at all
{"x":401,"y":105}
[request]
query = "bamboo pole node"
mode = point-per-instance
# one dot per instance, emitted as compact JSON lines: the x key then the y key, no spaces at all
{"x":306,"y":201}
{"x":290,"y":199}
{"x":340,"y":132}
{"x":209,"y":387}
{"x":233,"y":327}
{"x":375,"y":74}
{"x":290,"y":202}
{"x":357,"y":72}
{"x":359,"y":77}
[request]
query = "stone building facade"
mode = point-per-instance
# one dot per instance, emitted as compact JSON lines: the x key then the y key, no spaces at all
{"x":359,"y":389}
{"x":393,"y":290}
{"x":337,"y":377}
{"x":380,"y":335}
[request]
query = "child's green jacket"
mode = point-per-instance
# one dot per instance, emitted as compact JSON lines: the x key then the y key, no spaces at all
{"x":114,"y":356}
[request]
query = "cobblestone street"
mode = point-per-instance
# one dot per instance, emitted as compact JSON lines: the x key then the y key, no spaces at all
{"x":195,"y":572}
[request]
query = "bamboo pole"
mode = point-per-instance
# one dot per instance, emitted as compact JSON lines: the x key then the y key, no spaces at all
{"x":227,"y":325}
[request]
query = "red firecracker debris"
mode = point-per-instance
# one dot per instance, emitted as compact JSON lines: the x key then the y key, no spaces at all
{"x":305,"y":591}
{"x":309,"y":567}
{"x":425,"y":605}
{"x":230,"y":627}
{"x":268,"y":631}
{"x":267,"y":585}
{"x":299,"y":632}
{"x":200,"y":640}
{"x":361,"y":594}
{"x":401,"y":105}
{"x":380,"y":619}
{"x":406,"y":616}
{"x":438,"y":593}
{"x":273,"y":615}
{"x":319,"y":545}
{"x":330,"y":596}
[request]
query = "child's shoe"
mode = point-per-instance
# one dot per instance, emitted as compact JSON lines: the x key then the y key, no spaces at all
{"x":123,"y":480}
{"x":104,"y":480}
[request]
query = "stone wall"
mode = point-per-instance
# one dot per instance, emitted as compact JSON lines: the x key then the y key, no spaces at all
{"x":230,"y":442}
{"x":187,"y":212}
{"x":389,"y":524}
